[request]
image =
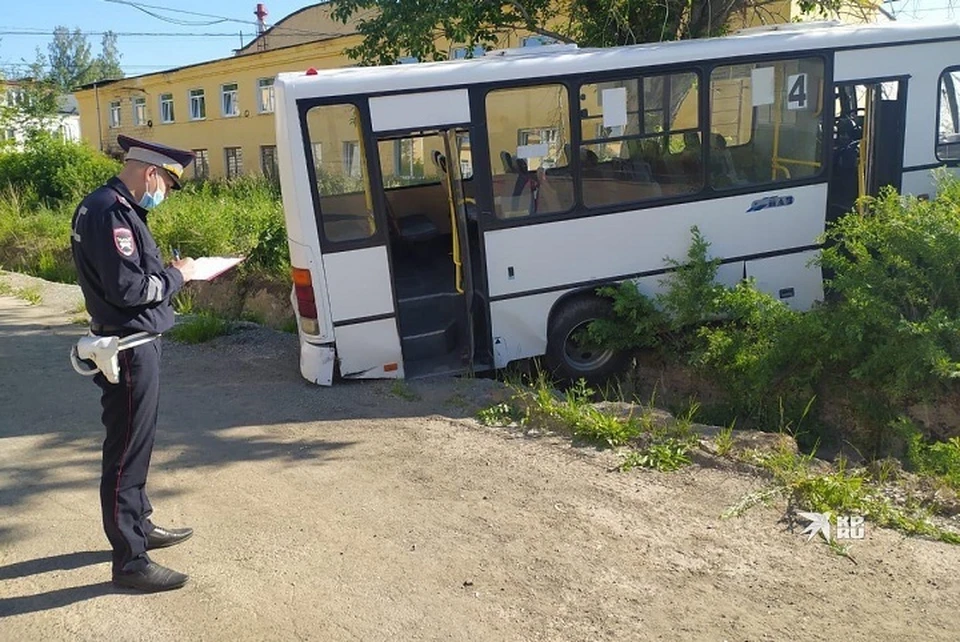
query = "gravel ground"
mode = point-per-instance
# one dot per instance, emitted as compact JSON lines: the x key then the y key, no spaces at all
{"x":374,"y":512}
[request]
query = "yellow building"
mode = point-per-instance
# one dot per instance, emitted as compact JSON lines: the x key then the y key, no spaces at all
{"x":223,"y":109}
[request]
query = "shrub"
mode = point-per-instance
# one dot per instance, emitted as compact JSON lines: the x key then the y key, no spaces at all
{"x":54,"y":171}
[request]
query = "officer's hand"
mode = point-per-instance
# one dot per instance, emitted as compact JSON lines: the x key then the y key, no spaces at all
{"x":186,"y":267}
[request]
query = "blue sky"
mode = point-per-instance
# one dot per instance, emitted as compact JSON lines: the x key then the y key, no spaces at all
{"x":142,"y":54}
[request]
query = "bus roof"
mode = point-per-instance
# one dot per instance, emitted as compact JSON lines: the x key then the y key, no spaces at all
{"x":569,"y":61}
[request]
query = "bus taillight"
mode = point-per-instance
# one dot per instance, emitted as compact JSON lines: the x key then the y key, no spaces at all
{"x":306,"y":303}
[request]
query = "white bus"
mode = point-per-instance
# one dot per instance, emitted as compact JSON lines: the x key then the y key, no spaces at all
{"x":458,"y":216}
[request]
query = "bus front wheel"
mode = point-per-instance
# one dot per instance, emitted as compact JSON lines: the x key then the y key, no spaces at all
{"x":571,"y":353}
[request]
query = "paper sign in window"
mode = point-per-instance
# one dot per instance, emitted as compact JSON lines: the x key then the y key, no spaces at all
{"x":614,"y":107}
{"x":532,"y":151}
{"x":762,"y":86}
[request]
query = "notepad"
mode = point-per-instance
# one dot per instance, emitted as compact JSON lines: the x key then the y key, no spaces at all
{"x":207,"y":268}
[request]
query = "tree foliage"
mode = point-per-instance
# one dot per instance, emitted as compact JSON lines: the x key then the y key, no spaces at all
{"x":399,"y":28}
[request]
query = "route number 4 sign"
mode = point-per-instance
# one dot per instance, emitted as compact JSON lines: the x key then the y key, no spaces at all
{"x":797,"y":92}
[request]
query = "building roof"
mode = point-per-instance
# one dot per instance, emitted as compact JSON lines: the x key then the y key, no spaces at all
{"x":294,"y":35}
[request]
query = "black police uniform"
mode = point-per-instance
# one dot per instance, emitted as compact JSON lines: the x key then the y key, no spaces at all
{"x":127,"y":290}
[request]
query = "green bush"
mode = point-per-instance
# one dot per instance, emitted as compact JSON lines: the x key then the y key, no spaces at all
{"x":53,"y":171}
{"x":243,"y":216}
{"x":887,"y":337}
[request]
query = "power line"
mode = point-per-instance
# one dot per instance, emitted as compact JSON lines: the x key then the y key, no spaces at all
{"x":218,"y":19}
{"x":158,"y":34}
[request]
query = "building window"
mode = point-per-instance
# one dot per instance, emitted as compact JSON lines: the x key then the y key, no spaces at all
{"x":139,"y":111}
{"x":16,"y":97}
{"x":948,"y":128}
{"x":198,"y":104}
{"x":351,"y":159}
{"x":345,"y":198}
{"x":536,"y":41}
{"x":166,"y":108}
{"x":268,"y":162}
{"x":115,"y":114}
{"x":228,"y":100}
{"x":266,"y":100}
{"x":201,"y":165}
{"x":234,"y":161}
{"x":765,"y":123}
{"x":641,"y":139}
{"x":460,"y":53}
{"x":529,"y":132}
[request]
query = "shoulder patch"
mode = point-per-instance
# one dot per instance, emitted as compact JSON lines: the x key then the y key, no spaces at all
{"x":123,"y":201}
{"x":123,"y":239}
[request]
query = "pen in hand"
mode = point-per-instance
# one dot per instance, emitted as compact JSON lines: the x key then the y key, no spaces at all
{"x":176,"y":254}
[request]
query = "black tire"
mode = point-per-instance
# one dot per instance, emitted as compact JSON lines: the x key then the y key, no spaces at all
{"x":571,"y":360}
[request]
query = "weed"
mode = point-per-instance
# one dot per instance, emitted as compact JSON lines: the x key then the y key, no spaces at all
{"x":184,"y":302}
{"x":290,"y":326}
{"x":843,"y":491}
{"x":402,"y":390}
{"x":666,"y":456}
{"x":724,"y":440}
{"x":201,"y":328}
{"x":939,"y":460}
{"x":459,"y":401}
{"x":502,"y":414}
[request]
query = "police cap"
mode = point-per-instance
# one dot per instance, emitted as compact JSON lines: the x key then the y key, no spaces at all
{"x":169,"y":158}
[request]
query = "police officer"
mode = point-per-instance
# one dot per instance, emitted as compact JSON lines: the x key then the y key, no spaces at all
{"x":128,"y":290}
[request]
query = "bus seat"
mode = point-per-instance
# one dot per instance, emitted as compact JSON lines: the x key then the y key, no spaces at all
{"x":413,"y":228}
{"x":724,"y":170}
{"x":507,"y":161}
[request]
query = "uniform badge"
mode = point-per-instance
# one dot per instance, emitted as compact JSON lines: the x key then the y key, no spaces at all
{"x":123,"y":239}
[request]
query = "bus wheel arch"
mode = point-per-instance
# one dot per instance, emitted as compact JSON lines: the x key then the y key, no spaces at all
{"x":567,"y":357}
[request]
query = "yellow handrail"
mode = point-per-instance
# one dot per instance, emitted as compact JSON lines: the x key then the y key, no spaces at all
{"x":455,"y":234}
{"x":866,"y":140}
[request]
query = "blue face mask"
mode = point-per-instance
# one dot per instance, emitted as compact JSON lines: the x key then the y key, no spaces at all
{"x":151,"y":199}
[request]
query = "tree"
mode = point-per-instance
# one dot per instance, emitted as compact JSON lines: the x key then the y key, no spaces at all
{"x":107,"y":65}
{"x":28,"y":103}
{"x":399,"y":28}
{"x":71,"y":62}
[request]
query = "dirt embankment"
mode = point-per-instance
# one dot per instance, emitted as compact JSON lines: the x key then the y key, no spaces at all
{"x":370,"y":512}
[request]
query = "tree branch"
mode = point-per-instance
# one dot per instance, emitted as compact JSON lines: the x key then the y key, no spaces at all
{"x":531,"y":25}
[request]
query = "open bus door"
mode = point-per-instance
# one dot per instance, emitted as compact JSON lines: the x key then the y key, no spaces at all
{"x":869,"y":126}
{"x":422,"y":152}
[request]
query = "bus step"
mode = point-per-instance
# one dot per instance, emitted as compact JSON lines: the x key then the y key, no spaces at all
{"x":431,"y":343}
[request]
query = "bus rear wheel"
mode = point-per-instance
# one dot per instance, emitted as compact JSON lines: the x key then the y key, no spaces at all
{"x":571,"y":354}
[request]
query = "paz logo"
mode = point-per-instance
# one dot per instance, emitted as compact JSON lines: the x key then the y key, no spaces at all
{"x":123,"y":239}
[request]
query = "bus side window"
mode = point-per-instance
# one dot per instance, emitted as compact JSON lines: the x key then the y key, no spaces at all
{"x":346,"y":206}
{"x":765,"y":121}
{"x":948,"y":128}
{"x":641,"y":139}
{"x":528,"y":129}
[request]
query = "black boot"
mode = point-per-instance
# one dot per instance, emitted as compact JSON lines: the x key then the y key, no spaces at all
{"x":152,"y":578}
{"x":163,"y":537}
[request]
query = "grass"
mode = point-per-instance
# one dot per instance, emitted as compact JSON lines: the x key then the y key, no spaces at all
{"x":402,"y":390}
{"x":31,"y":294}
{"x":843,"y":491}
{"x":536,"y":404}
{"x":200,"y":329}
{"x":204,"y":219}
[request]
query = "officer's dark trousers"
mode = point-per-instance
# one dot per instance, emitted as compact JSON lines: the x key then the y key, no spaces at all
{"x":130,"y":417}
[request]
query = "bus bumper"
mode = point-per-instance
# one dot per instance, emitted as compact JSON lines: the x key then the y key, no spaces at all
{"x":316,"y":363}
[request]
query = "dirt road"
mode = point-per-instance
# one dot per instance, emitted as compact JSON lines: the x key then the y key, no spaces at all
{"x":354,"y":513}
